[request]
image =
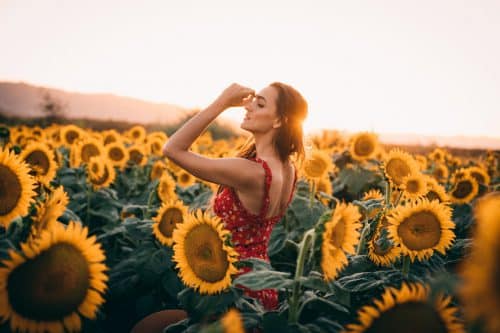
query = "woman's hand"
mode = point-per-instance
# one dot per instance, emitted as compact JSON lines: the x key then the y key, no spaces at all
{"x":235,"y":95}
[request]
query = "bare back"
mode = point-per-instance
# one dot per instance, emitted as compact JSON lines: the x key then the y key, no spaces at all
{"x":282,"y":183}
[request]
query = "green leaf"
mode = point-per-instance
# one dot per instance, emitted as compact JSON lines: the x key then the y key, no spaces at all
{"x":203,"y":306}
{"x":257,"y":280}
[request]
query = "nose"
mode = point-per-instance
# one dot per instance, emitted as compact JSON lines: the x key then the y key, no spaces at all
{"x":248,"y":104}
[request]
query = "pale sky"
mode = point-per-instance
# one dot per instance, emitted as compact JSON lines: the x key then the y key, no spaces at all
{"x":425,"y":66}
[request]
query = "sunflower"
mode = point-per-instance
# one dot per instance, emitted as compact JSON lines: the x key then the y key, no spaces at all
{"x":16,"y":187}
{"x":137,"y":134}
{"x":108,"y":176}
{"x":380,"y":252}
{"x":84,"y":149}
{"x":157,"y":170}
{"x":70,"y":280}
{"x":49,"y":210}
{"x":185,"y":179}
{"x":480,"y":174}
{"x":40,"y":156}
{"x":166,"y":188}
{"x":317,"y":165}
{"x":438,"y":155}
{"x":117,"y":154}
{"x":95,"y":168}
{"x":203,"y":257}
{"x":397,"y":165}
{"x":137,"y":154}
{"x":373,"y":194}
{"x":397,"y":309}
{"x":435,"y":191}
{"x":110,"y":136}
{"x":464,"y":190}
{"x":480,"y":291}
{"x":157,"y":135}
{"x":414,"y":186}
{"x":440,"y":172}
{"x":155,"y":146}
{"x":421,"y":228}
{"x":70,"y":133}
{"x":341,"y":235}
{"x":363,"y":146}
{"x":174,"y":168}
{"x":169,"y":215}
{"x":231,"y":322}
{"x":421,"y":161}
{"x":324,"y":185}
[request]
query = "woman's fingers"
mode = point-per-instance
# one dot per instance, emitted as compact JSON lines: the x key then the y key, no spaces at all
{"x":237,"y":95}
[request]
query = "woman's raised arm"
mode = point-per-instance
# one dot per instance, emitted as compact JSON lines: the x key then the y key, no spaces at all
{"x":233,"y":172}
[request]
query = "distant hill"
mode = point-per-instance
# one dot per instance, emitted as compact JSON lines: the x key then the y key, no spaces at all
{"x":23,"y":100}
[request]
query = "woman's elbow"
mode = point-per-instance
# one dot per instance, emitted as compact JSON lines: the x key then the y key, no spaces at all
{"x":167,"y":150}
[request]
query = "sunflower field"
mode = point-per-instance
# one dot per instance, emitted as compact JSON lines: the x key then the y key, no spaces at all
{"x":98,"y":231}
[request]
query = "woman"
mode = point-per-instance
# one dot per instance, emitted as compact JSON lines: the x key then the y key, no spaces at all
{"x":256,"y":187}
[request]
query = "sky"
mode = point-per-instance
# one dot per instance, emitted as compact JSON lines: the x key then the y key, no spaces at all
{"x":428,"y":67}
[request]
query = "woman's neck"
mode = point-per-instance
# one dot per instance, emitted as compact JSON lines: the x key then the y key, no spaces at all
{"x":264,"y":146}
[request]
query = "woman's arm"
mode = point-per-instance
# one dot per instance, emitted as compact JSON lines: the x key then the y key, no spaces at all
{"x":233,"y":172}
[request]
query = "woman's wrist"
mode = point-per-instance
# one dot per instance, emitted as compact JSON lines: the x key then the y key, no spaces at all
{"x":219,"y":105}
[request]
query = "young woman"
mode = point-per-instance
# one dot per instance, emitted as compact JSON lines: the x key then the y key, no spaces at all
{"x":257,"y":186}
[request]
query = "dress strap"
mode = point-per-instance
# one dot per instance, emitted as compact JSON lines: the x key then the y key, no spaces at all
{"x":267,"y":185}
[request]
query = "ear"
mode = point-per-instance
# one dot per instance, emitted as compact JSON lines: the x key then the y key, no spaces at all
{"x":277,"y":123}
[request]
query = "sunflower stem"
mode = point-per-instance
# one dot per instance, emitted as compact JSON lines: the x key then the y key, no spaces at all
{"x":305,"y":245}
{"x":150,"y":202}
{"x":387,"y":194}
{"x":362,"y":240}
{"x":406,"y":265}
{"x":312,"y":193}
{"x":89,"y":192}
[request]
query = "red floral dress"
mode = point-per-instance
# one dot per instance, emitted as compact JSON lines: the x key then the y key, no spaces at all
{"x":251,"y":232}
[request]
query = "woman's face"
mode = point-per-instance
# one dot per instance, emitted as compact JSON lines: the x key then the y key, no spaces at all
{"x":261,"y":113}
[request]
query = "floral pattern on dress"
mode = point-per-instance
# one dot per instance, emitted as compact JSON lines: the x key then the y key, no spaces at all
{"x":251,"y":232}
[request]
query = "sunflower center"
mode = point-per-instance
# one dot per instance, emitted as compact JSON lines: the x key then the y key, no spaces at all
{"x":397,"y":169}
{"x":412,"y":186}
{"x":10,"y":190}
{"x":116,"y":154}
{"x":401,"y":318}
{"x":439,"y":173}
{"x":136,"y":156}
{"x":338,"y":233}
{"x":50,"y":286}
{"x":462,"y":189}
{"x":364,"y":147}
{"x":104,"y":178}
{"x":316,"y":167}
{"x":40,"y":159}
{"x":169,"y":219}
{"x":88,"y":151}
{"x":420,"y":231}
{"x":109,"y":139}
{"x":205,"y":253}
{"x":432,"y":195}
{"x":156,"y":147}
{"x":184,"y":178}
{"x":71,"y":136}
